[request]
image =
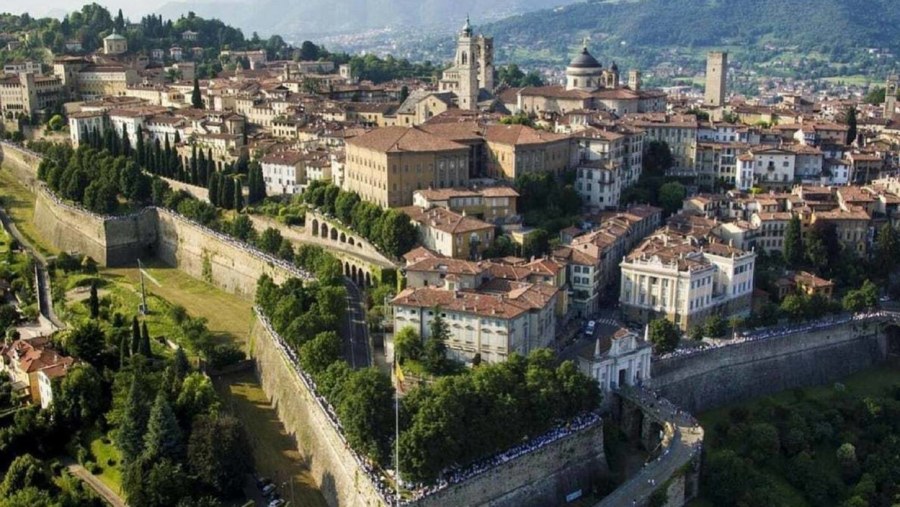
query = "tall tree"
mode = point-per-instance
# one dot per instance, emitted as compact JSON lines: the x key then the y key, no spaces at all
{"x":851,"y":125}
{"x":145,"y":340}
{"x":163,"y":437}
{"x":218,"y":453}
{"x":887,"y":249}
{"x":793,"y":243}
{"x":196,"y":98}
{"x":130,"y":436}
{"x":94,"y":302}
{"x":135,"y":336}
{"x":212,"y":189}
{"x":435,"y":356}
{"x":238,"y":199}
{"x":664,"y":335}
{"x":139,"y":148}
{"x":86,"y":342}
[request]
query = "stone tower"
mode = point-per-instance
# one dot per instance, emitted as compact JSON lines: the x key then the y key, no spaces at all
{"x":634,"y":79}
{"x":485,"y":62}
{"x":890,"y":95}
{"x":467,"y":67}
{"x":716,"y":72}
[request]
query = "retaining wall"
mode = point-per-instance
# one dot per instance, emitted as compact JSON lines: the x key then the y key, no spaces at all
{"x":540,"y":478}
{"x":738,"y":372}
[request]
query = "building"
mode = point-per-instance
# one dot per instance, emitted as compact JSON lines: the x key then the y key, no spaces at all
{"x":29,"y":95}
{"x":451,"y":234}
{"x":716,"y":77}
{"x":83,"y":123}
{"x":617,"y":360}
{"x":387,"y":165}
{"x":22,"y":67}
{"x":115,"y":44}
{"x":513,"y":150}
{"x":98,"y":81}
{"x":492,"y":204}
{"x":891,"y":89}
{"x":472,"y":70}
{"x":500,"y":318}
{"x":23,"y":360}
{"x":283,"y":172}
{"x":766,"y":167}
{"x":685,"y":278}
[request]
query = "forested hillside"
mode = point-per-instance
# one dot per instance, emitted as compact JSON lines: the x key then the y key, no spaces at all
{"x":647,"y":32}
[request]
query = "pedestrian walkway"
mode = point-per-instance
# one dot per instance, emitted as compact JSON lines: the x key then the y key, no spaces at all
{"x":103,"y":491}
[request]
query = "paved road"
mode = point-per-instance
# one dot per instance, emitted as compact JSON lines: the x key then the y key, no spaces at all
{"x":45,"y":298}
{"x":357,"y":349}
{"x":108,"y":495}
{"x":685,"y":442}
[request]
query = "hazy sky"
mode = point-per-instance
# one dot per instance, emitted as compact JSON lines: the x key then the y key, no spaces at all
{"x":131,"y":8}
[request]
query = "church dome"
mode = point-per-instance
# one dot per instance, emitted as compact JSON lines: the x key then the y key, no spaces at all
{"x":584,"y":61}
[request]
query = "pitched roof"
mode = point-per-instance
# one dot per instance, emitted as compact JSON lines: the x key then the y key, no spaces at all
{"x":519,"y":135}
{"x":399,"y":139}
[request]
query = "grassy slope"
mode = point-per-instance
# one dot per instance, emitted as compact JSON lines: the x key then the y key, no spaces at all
{"x":229,"y":319}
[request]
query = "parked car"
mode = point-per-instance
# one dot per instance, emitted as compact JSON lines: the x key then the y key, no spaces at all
{"x":262,"y":482}
{"x":278,"y":502}
{"x":589,"y":329}
{"x":268,"y":489}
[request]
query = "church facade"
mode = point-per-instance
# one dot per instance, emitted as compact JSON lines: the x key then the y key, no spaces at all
{"x":589,"y":86}
{"x":472,"y":70}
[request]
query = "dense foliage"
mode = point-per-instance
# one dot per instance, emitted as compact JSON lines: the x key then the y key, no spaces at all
{"x":389,"y":229}
{"x":461,"y":418}
{"x":838,"y":449}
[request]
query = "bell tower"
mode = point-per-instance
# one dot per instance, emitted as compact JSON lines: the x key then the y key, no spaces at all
{"x":467,"y":65}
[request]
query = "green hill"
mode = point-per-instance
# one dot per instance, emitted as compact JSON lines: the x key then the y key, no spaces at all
{"x":648,"y":32}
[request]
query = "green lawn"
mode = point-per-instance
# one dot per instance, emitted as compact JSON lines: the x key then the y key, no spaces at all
{"x":103,"y":452}
{"x":274,"y":452}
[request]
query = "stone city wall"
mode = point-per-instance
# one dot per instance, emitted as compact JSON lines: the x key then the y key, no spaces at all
{"x":215,"y":258}
{"x":21,"y":162}
{"x":539,"y":478}
{"x":733,"y":373}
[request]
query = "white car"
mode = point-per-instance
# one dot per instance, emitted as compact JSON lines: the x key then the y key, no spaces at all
{"x":589,"y":329}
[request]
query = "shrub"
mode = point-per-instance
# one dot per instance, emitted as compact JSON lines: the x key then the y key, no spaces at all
{"x":221,"y":356}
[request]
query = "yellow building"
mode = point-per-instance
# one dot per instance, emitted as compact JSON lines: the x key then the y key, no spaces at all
{"x":513,"y":150}
{"x":387,"y":165}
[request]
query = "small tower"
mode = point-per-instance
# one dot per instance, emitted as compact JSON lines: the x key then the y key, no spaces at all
{"x":467,"y":65}
{"x":115,"y":44}
{"x":890,"y":95}
{"x":634,"y":79}
{"x":716,"y":73}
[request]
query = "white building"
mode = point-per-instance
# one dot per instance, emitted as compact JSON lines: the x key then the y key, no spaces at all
{"x":766,"y":167}
{"x":283,"y":172}
{"x":685,"y":279}
{"x":83,"y":123}
{"x":618,"y":360}
{"x":501,"y":318}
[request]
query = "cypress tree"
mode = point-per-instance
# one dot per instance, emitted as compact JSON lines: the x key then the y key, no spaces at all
{"x":168,"y":170}
{"x":157,"y":157}
{"x":124,"y":351}
{"x":126,"y":145}
{"x":793,"y":244}
{"x":145,"y":340}
{"x":238,"y":195}
{"x":196,"y":99}
{"x":163,"y":438}
{"x":213,"y":188}
{"x":210,"y":162}
{"x":226,"y":193}
{"x":94,"y":302}
{"x":194,"y":168}
{"x":139,"y":149}
{"x":201,"y":167}
{"x":134,"y":422}
{"x":177,"y":138}
{"x":135,"y":336}
{"x":851,"y":125}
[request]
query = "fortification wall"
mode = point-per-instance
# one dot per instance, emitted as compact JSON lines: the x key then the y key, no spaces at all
{"x":205,"y":254}
{"x":733,"y":373}
{"x":540,"y":478}
{"x":22,"y":163}
{"x":70,"y":229}
{"x":330,"y":461}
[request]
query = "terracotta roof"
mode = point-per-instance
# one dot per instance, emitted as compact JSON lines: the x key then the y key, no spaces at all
{"x":398,"y":139}
{"x":519,"y":135}
{"x":445,"y":220}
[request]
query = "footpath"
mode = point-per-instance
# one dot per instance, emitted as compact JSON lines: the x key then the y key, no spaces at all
{"x":108,"y":495}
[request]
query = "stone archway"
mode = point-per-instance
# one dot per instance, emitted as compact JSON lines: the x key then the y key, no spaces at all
{"x":324,"y":230}
{"x":351,"y":241}
{"x":315,"y":227}
{"x":343,"y":238}
{"x":334,"y":234}
{"x":346,"y":269}
{"x":368,"y":278}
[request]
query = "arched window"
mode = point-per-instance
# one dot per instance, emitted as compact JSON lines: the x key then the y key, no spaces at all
{"x":465,"y":58}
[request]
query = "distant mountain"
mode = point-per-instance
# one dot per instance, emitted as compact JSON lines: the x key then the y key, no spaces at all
{"x":648,"y":29}
{"x":287,"y":17}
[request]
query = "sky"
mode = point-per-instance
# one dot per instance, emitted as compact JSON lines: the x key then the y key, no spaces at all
{"x":131,"y":8}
